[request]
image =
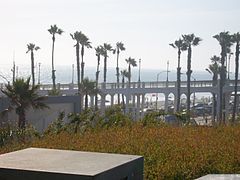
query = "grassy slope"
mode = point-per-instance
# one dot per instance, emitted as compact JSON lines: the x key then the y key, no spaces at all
{"x":169,"y":152}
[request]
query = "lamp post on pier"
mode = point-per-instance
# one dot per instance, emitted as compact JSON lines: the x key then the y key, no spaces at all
{"x":139,"y":71}
{"x":167,"y":71}
{"x":72,"y":73}
{"x":39,"y":72}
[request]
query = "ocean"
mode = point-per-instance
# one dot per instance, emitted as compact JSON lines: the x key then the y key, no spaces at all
{"x":64,"y":74}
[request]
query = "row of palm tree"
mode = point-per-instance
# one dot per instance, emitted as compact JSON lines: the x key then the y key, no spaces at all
{"x":236,"y":40}
{"x":226,"y":40}
{"x":83,"y":41}
{"x":184,"y":44}
{"x":217,"y":67}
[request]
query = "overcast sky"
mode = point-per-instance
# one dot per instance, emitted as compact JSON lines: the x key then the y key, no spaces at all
{"x":146,"y":27}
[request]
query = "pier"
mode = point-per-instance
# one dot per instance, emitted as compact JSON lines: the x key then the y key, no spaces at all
{"x":135,"y":92}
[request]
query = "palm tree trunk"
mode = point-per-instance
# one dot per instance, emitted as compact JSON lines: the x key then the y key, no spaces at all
{"x":123,"y":101}
{"x":78,"y":66}
{"x":129,"y":77}
{"x":21,"y":119}
{"x":86,"y":101}
{"x":117,"y":69}
{"x":82,"y":64}
{"x":214,"y":107}
{"x":32,"y":66}
{"x":53,"y":70}
{"x":220,"y":115}
{"x":78,"y":76}
{"x":189,"y":72}
{"x":178,"y":81}
{"x":236,"y":82}
{"x":105,"y":69}
{"x":97,"y":77}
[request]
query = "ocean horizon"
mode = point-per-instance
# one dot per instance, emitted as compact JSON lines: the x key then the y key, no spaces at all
{"x":64,"y":74}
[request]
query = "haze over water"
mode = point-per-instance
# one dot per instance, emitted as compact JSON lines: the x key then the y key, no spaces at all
{"x":64,"y":74}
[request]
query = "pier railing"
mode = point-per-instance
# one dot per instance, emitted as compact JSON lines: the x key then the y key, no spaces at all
{"x":151,"y":84}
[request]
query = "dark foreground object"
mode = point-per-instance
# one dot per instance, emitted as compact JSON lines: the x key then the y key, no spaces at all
{"x":41,"y":164}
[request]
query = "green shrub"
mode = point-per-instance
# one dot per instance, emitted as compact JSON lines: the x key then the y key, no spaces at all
{"x":10,"y":134}
{"x":153,"y":118}
{"x":57,"y":125}
{"x":115,"y":117}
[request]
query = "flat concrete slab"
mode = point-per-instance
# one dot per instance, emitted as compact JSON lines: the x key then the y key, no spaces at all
{"x":220,"y":177}
{"x":39,"y":163}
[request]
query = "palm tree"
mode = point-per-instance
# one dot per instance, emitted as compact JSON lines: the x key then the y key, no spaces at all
{"x":99,"y":51}
{"x":76,"y":36}
{"x":119,"y":47}
{"x":224,"y":39}
{"x":124,"y":74}
{"x":133,"y":63}
{"x":84,"y":41}
{"x":23,"y":96}
{"x":31,"y":47}
{"x":106,"y":47}
{"x":190,"y":40}
{"x":53,"y":31}
{"x":214,"y":69}
{"x":88,"y":88}
{"x":180,"y":45}
{"x":236,"y":39}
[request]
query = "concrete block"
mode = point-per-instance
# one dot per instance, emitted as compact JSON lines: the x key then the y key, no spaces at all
{"x":45,"y":164}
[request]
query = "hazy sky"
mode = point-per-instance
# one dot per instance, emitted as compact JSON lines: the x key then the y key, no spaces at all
{"x":146,"y":27}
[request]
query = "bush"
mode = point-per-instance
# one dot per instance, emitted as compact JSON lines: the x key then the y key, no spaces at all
{"x":57,"y":125}
{"x":11,"y":134}
{"x":153,"y":119}
{"x":115,"y":117}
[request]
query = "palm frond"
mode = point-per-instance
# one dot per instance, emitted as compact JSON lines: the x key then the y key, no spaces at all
{"x":172,"y":45}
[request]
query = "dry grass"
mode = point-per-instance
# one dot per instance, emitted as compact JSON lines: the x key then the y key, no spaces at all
{"x":169,"y":152}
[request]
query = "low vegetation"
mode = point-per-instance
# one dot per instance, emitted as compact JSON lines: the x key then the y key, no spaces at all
{"x":169,"y":152}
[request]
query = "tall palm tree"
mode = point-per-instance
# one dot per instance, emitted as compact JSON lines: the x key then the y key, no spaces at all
{"x":106,"y":48}
{"x":77,"y":36}
{"x":84,"y":41}
{"x":119,"y":47}
{"x":88,"y":88}
{"x":180,"y":45}
{"x":32,"y":47}
{"x":124,"y":74}
{"x":236,"y":39}
{"x":23,"y":96}
{"x":53,"y":31}
{"x":99,"y":51}
{"x":214,"y":69}
{"x":190,"y":40}
{"x":133,"y":63}
{"x":224,"y":39}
